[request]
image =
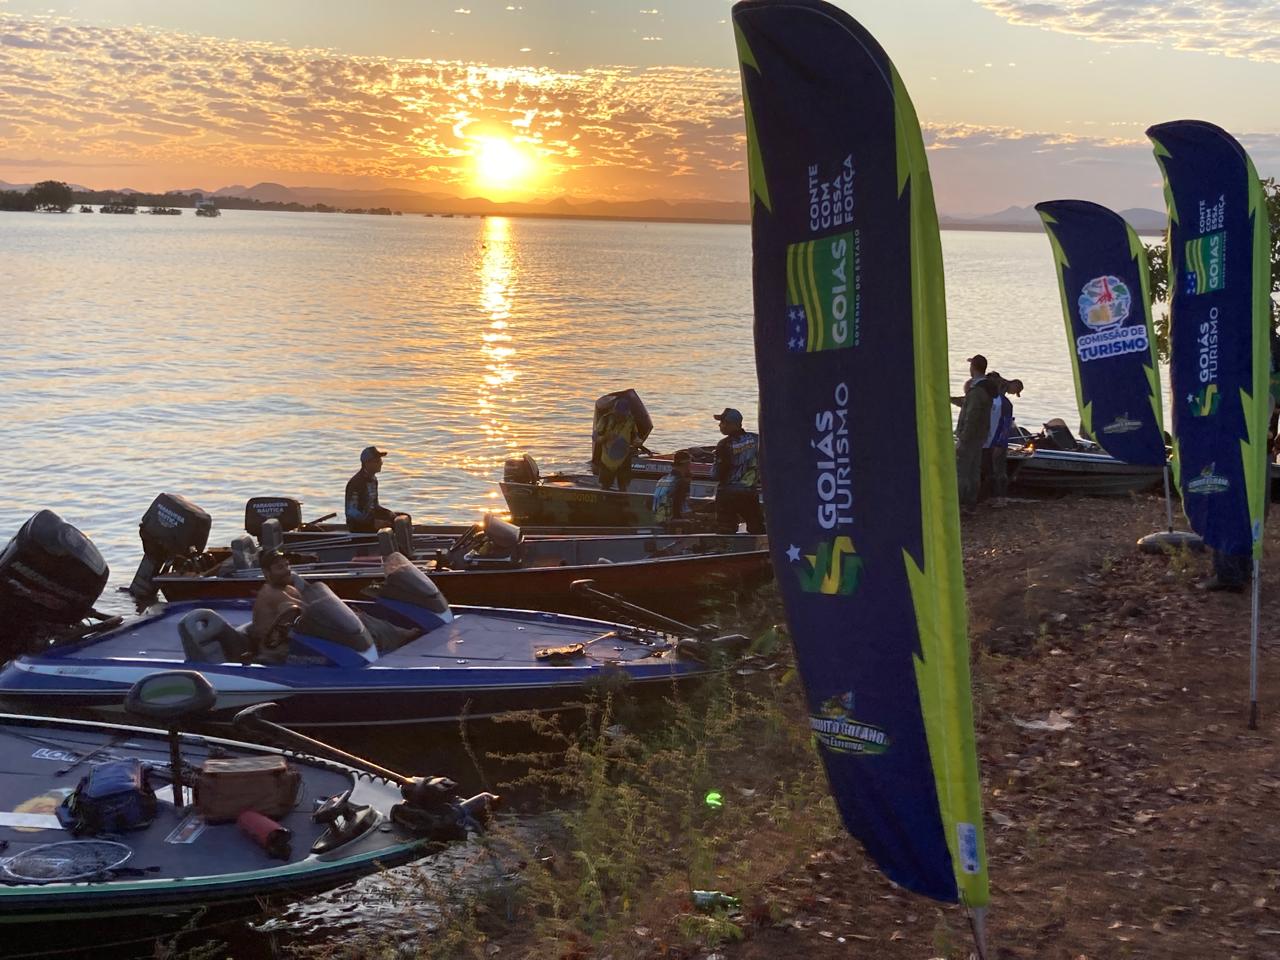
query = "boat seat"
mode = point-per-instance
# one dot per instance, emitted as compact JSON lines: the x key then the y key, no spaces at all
{"x":502,"y":547}
{"x":244,"y":553}
{"x":207,"y":638}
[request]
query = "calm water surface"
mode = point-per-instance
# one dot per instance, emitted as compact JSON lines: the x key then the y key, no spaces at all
{"x":258,"y":353}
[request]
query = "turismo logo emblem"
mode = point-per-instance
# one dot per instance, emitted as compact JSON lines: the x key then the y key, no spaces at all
{"x":1122,"y":424}
{"x":1104,"y":301}
{"x":1208,"y":482}
{"x":837,"y":730}
{"x":833,"y":568}
{"x":1104,"y":306}
{"x":1204,"y":257}
{"x":823,"y":299}
{"x":1204,"y":402}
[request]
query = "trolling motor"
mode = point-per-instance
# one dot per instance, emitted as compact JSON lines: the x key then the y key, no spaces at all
{"x":430,"y":807}
{"x":173,"y":528}
{"x":172,"y":697}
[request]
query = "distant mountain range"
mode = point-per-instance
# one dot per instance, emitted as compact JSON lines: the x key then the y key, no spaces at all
{"x":715,"y":211}
{"x":1142,"y":219}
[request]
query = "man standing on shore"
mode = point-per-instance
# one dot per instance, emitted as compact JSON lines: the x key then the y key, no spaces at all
{"x":972,"y":430}
{"x":977,"y":370}
{"x":737,"y":474}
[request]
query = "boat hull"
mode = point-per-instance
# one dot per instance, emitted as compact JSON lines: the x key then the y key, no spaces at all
{"x":480,"y":663}
{"x":674,"y":586}
{"x":1062,"y":473}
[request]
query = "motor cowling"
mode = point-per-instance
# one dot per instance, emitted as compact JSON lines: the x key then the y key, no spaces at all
{"x":521,"y":470}
{"x":260,"y":509}
{"x":173,"y":527}
{"x":50,"y":574}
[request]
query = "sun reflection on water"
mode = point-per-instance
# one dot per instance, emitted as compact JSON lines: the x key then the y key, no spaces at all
{"x":496,"y":398}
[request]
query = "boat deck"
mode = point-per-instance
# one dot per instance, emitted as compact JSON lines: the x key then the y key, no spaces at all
{"x":40,"y":765}
{"x":475,"y":638}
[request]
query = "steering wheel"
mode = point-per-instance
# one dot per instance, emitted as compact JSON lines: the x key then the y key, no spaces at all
{"x":276,"y":637}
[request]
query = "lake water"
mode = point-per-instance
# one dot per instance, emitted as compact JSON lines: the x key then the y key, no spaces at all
{"x":258,"y":353}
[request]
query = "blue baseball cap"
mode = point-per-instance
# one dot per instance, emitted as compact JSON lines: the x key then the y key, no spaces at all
{"x":729,"y":414}
{"x":368,"y":453}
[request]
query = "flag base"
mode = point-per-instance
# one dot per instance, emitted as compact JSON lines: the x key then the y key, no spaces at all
{"x":1170,"y":541}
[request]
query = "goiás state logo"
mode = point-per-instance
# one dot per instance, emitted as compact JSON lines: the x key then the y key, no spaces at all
{"x":823,"y":293}
{"x":835,"y":728}
{"x":1104,"y":305}
{"x":833,"y":568}
{"x":1204,"y":402}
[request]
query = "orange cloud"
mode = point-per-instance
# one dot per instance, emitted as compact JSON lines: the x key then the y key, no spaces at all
{"x":165,"y":100}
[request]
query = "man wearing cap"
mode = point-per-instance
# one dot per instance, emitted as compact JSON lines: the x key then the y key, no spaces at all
{"x":364,"y":515}
{"x":737,"y":473}
{"x":977,"y":370}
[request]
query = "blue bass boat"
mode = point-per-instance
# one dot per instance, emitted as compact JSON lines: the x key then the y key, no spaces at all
{"x":404,"y":657}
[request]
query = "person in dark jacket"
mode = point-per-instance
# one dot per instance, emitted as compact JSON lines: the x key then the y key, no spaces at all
{"x":364,"y":513}
{"x":737,"y":474}
{"x":972,"y":430}
{"x":977,"y":370}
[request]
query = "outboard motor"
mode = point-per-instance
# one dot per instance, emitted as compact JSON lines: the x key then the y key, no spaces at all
{"x":50,"y":573}
{"x":173,"y":527}
{"x":284,"y":509}
{"x":521,"y":470}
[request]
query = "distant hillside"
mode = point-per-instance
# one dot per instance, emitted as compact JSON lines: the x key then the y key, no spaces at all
{"x":277,"y":196}
{"x":23,"y":187}
{"x":416,"y":201}
{"x":1142,"y":220}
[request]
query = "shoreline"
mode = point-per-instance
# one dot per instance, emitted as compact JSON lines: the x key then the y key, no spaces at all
{"x":959,"y":226}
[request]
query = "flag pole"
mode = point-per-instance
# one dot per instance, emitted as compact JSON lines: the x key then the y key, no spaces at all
{"x":1253,"y":646}
{"x":978,"y":924}
{"x":1168,"y":498}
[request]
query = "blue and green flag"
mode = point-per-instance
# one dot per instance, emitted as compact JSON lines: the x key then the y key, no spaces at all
{"x":1219,"y":317}
{"x":858,"y":459}
{"x":1106,"y":302}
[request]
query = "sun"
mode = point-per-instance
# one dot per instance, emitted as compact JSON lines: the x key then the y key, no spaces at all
{"x":501,"y":164}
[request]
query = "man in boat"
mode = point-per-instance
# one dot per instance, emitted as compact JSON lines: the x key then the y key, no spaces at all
{"x":671,"y":495}
{"x":364,"y":514}
{"x":614,"y":444}
{"x":977,"y":370}
{"x":278,"y":603}
{"x":972,"y":429}
{"x":737,"y":474}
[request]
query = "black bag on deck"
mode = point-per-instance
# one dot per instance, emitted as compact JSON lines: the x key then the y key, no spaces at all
{"x":114,"y":797}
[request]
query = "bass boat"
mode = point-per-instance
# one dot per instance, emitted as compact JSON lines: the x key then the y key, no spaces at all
{"x":106,"y":843}
{"x":493,"y":564}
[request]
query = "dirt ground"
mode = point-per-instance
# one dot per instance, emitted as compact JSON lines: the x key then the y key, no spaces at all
{"x":1147,"y":824}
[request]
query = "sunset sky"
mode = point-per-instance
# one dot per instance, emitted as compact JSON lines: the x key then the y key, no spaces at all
{"x":1021,"y":100}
